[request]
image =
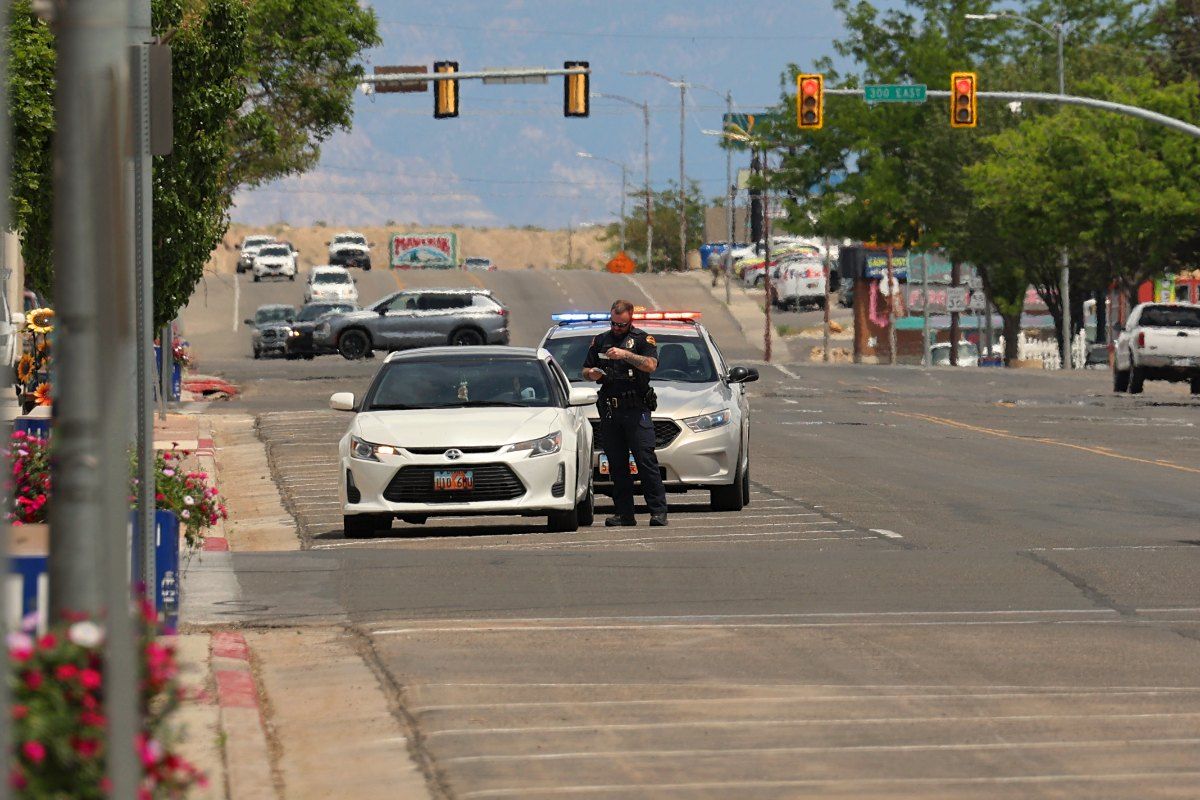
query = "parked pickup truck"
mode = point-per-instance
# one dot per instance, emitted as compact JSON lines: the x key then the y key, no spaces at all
{"x":1160,"y":342}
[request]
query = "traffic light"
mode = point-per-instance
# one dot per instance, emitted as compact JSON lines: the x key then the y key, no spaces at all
{"x":810,"y":101}
{"x":445,"y":93}
{"x":576,"y":91}
{"x":964,"y":112}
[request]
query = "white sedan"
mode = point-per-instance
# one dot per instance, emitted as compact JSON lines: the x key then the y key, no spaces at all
{"x":466,"y":431}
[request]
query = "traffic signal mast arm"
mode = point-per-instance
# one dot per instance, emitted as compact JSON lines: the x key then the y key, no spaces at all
{"x":1065,"y":99}
{"x":470,"y":76}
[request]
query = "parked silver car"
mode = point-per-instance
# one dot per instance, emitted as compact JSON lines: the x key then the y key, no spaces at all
{"x":417,"y":318}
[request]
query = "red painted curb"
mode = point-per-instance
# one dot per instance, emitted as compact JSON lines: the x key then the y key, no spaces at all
{"x":216,"y":544}
{"x":230,"y":645}
{"x":235,"y":689}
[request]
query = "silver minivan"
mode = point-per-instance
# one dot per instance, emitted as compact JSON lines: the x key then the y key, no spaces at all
{"x":417,"y":318}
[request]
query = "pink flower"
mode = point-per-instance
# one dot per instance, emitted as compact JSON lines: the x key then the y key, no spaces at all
{"x":170,"y":473}
{"x":151,"y":752}
{"x":185,"y":514}
{"x":48,"y":642}
{"x":19,"y":711}
{"x":20,"y":646}
{"x":34,"y":751}
{"x":90,"y":679}
{"x":86,"y":748}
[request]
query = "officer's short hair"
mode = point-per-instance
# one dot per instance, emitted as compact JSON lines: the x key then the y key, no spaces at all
{"x":622,"y":307}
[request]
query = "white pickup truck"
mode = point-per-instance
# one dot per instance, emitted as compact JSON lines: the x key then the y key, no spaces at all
{"x":1160,"y":342}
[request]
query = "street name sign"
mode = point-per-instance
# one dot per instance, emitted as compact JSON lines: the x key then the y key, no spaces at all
{"x":894,"y":93}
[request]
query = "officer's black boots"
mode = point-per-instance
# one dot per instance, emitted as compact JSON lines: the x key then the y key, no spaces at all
{"x":620,"y":522}
{"x":658,"y":520}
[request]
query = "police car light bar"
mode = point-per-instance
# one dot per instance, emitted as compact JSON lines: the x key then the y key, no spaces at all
{"x":603,"y":316}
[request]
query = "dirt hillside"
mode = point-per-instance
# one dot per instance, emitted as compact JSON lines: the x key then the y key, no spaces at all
{"x":509,"y":248}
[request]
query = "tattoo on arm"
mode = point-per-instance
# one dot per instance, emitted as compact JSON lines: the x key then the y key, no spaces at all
{"x":644,"y":363}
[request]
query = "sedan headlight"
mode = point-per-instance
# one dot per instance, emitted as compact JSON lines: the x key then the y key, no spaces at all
{"x":366,"y":451}
{"x":293,"y":332}
{"x":706,"y":422}
{"x":539,"y":447}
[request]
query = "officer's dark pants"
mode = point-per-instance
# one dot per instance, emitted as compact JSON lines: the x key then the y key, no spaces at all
{"x":625,"y":431}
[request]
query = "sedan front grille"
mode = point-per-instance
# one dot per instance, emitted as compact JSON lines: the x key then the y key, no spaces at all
{"x":492,"y":482}
{"x":665,"y":431}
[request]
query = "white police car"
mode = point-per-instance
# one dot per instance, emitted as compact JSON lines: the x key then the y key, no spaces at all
{"x":702,"y":424}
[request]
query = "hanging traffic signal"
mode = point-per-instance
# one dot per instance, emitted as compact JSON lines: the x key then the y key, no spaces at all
{"x":964,"y":113}
{"x":576,"y":91}
{"x":810,"y":101}
{"x":445,"y":92}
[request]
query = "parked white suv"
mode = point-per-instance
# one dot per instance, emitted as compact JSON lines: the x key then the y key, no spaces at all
{"x":249,"y":249}
{"x":1160,"y":342}
{"x":330,"y":284}
{"x":350,"y":249}
{"x":274,"y":260}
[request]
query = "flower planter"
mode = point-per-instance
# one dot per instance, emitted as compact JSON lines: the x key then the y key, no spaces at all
{"x":167,"y":581}
{"x":35,"y":423}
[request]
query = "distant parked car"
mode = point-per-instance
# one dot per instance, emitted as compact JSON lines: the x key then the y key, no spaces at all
{"x":479,"y":264}
{"x":1161,"y":342}
{"x":968,"y":354}
{"x":300,"y":342}
{"x":417,"y":318}
{"x":331,"y":284}
{"x":249,"y":249}
{"x":271,"y":324}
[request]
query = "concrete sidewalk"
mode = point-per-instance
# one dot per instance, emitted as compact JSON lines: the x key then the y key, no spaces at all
{"x":747,"y":311}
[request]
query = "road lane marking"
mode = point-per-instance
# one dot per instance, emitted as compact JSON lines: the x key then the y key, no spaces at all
{"x":399,"y":283}
{"x":786,"y":371}
{"x":653,"y":303}
{"x":887,"y":533}
{"x":775,"y":698}
{"x":1042,"y":440}
{"x":772,"y":723}
{"x":468,"y":541}
{"x":776,"y":625}
{"x":860,"y":748}
{"x":237,"y":298}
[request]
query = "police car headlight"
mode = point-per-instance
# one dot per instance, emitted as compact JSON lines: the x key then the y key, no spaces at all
{"x":365,"y":451}
{"x":706,"y":422}
{"x":539,"y":447}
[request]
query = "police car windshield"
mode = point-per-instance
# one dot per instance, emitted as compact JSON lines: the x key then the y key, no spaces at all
{"x":681,"y":359}
{"x":462,"y":383}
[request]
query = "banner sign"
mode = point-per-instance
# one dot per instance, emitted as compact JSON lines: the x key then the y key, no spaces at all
{"x":424,"y":251}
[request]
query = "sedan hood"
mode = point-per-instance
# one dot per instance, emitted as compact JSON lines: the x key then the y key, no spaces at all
{"x":349,"y":248}
{"x":455,"y":427}
{"x":273,"y":260}
{"x":680,"y":400}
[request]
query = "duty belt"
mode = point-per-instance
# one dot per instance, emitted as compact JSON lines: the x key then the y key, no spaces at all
{"x":624,"y":400}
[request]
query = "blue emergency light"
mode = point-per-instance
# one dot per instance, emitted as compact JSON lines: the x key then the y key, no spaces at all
{"x":640,"y":314}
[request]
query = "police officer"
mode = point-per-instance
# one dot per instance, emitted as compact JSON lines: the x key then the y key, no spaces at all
{"x":622,"y":361}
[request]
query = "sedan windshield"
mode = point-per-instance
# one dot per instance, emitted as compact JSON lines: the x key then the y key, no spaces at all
{"x":476,"y":382}
{"x":274,"y":314}
{"x":683,"y":359}
{"x":1170,"y":317}
{"x":317,"y":310}
{"x":274,"y":250}
{"x":349,"y":240}
{"x":331,"y":277}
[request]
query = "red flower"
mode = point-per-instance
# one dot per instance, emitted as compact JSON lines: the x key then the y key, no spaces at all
{"x":49,"y":641}
{"x":33,"y":680}
{"x":91,"y":718}
{"x":65,"y":672}
{"x":35,"y":751}
{"x":16,"y":779}
{"x":20,"y":711}
{"x":90,"y":679}
{"x":86,"y":748}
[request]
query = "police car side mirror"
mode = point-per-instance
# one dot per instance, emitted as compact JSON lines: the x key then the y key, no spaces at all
{"x":742,"y":375}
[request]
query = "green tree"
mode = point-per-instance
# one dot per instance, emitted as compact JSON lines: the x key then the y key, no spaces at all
{"x":665,"y":217}
{"x":31,"y":97}
{"x":301,"y":72}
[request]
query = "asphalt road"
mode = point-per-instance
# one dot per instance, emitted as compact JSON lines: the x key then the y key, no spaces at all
{"x":970,"y":583}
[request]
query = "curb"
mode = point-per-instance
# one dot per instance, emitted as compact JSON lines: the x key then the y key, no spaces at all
{"x":243,"y":719}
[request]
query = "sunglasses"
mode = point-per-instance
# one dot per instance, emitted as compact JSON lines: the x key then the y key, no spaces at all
{"x":616,"y":324}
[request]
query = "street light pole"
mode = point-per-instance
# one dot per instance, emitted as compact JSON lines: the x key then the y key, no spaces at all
{"x":1057,"y":31}
{"x":682,"y":86}
{"x":727,"y":256}
{"x":624,"y":184}
{"x":645,"y":107}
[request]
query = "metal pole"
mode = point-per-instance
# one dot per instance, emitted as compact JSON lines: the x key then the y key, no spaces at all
{"x":1065,"y":295}
{"x":728,"y":260}
{"x":926,"y":356}
{"x":955,"y":277}
{"x":646,"y":161}
{"x":143,"y":208}
{"x":891,"y":312}
{"x":1062,"y":81}
{"x":6,"y":380}
{"x":682,"y":182}
{"x":825,"y":320}
{"x":766,"y":195}
{"x":623,"y":190}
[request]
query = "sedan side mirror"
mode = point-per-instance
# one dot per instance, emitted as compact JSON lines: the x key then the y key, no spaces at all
{"x":583,"y":397}
{"x":742,"y":375}
{"x":342,"y":401}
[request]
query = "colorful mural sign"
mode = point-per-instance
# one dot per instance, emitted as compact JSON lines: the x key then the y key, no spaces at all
{"x":424,"y":250}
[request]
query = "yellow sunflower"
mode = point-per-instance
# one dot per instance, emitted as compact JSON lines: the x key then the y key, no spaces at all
{"x":42,"y":394}
{"x":25,"y":368}
{"x":40,"y":320}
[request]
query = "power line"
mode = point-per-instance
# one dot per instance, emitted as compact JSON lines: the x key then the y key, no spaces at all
{"x":723,"y":37}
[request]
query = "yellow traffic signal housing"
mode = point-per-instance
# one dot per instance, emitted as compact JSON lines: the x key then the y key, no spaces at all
{"x":445,"y":92}
{"x":810,"y":101}
{"x":964,"y":109}
{"x":576,"y":91}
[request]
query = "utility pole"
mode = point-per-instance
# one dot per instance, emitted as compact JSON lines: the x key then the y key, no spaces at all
{"x":624,"y":184}
{"x":729,"y":208}
{"x":90,"y":515}
{"x":682,"y":182}
{"x":6,"y":379}
{"x":766,"y":197}
{"x":645,"y":107}
{"x":891,"y":314}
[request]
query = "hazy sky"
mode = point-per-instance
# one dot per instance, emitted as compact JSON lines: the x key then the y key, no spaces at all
{"x":509,"y":158}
